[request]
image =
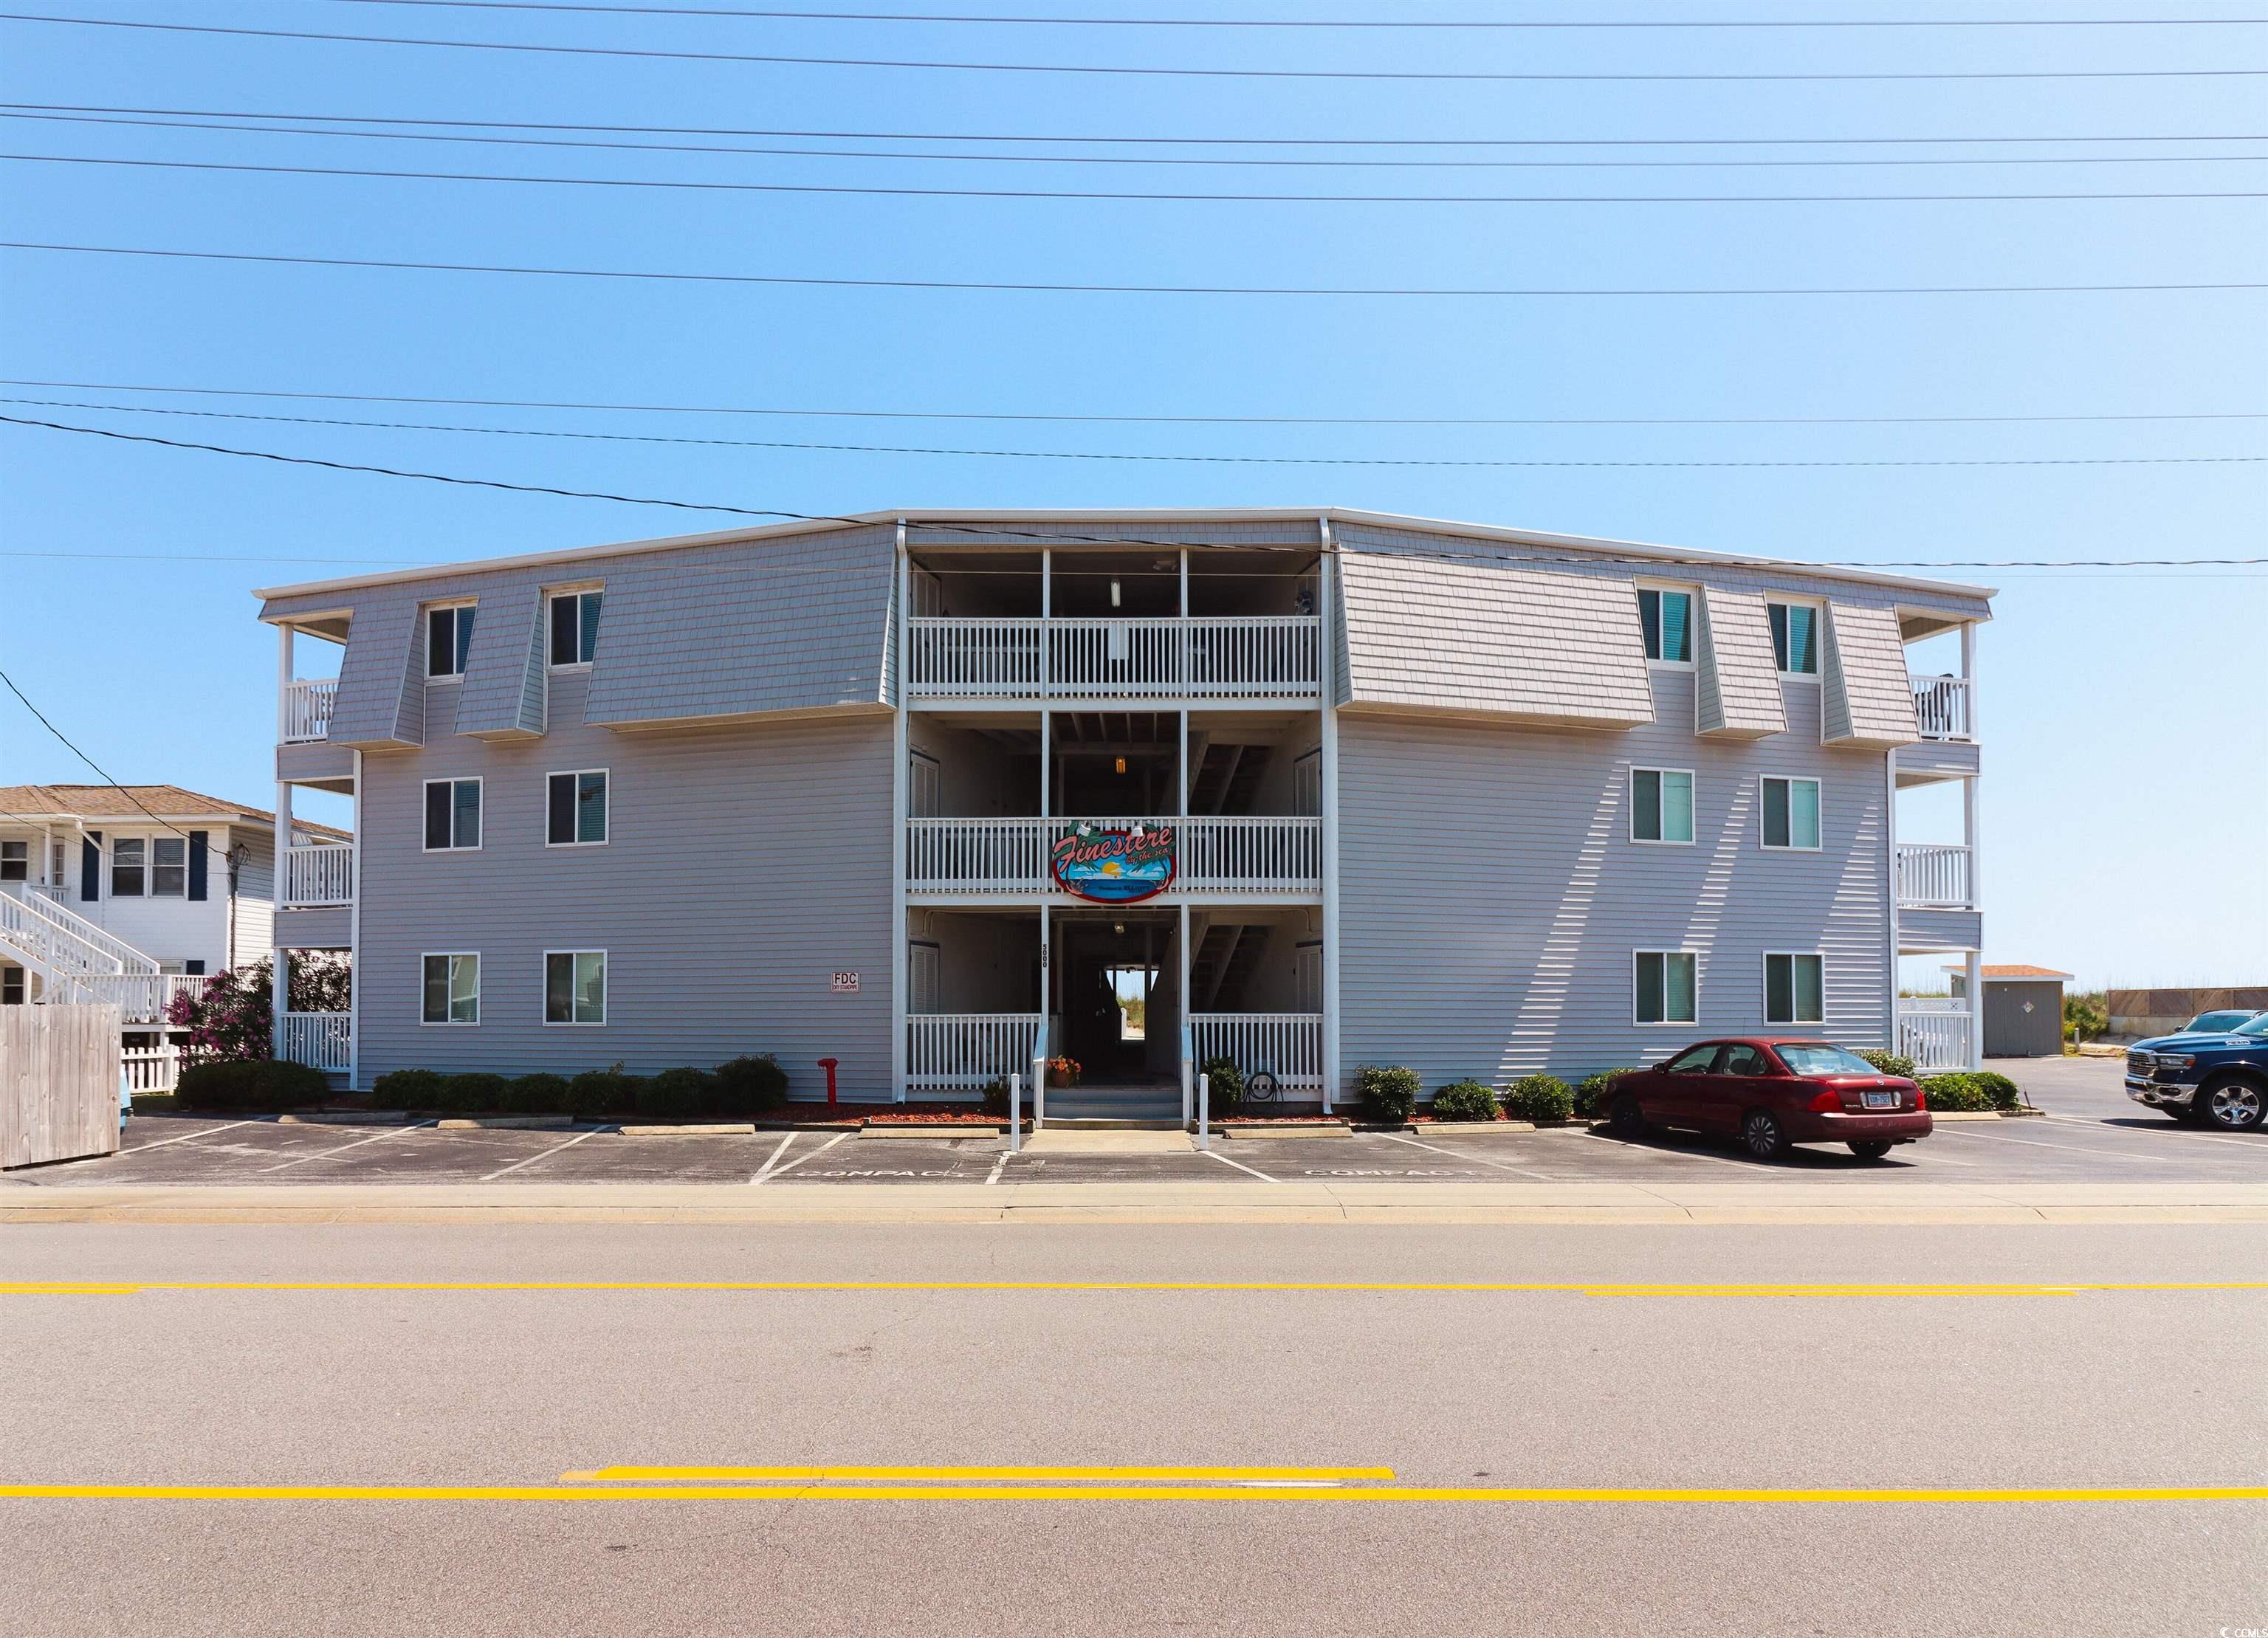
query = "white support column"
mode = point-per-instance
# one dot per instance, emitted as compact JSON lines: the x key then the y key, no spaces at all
{"x":1890,"y":894}
{"x":1976,"y":987}
{"x":1047,"y":1019}
{"x":1185,"y":583}
{"x":1969,"y":670}
{"x":1182,"y":785}
{"x":279,"y":957}
{"x":901,"y":749}
{"x":1184,"y":1032}
{"x":1328,"y":774}
{"x":1046,"y":614}
{"x":285,"y":663}
{"x":354,"y":939}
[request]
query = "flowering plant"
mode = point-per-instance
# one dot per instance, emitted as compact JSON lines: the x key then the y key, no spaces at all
{"x":231,"y":1016}
{"x":1063,"y":1072}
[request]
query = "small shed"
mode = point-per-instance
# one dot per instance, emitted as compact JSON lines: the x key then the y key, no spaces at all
{"x":2023,"y":1010}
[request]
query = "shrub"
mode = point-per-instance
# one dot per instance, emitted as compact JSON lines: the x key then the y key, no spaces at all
{"x":994,"y":1095}
{"x":407,"y":1089}
{"x":1389,"y":1095}
{"x":2086,"y":1015}
{"x":1224,"y":1085}
{"x":748,"y":1087}
{"x":1591,"y":1092}
{"x":675,"y":1094}
{"x":1966,"y":1091}
{"x":249,"y":1084}
{"x":1464,"y":1100}
{"x":538,"y":1095}
{"x":230,"y":1016}
{"x":604,"y":1091}
{"x":1539,"y":1098}
{"x":1999,"y":1088}
{"x":1889,"y":1063}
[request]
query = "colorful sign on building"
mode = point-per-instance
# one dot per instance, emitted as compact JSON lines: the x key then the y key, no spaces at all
{"x":1114,"y":866}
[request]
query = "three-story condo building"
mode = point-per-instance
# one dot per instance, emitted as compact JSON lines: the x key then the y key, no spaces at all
{"x":927,"y":794}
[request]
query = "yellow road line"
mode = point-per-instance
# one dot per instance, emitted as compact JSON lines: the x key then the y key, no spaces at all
{"x":1569,"y":1288}
{"x":1120,"y":1474}
{"x":1089,"y":1493}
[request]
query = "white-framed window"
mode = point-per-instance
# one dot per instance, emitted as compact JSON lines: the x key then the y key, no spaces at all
{"x":15,"y":860}
{"x":1795,"y":637}
{"x":575,"y":809}
{"x":924,"y":982}
{"x":1308,"y":784}
{"x":452,"y":814}
{"x":448,"y":641}
{"x":1665,"y":617}
{"x":575,"y":986}
{"x":12,"y":986}
{"x":925,"y":785}
{"x":1665,"y":987}
{"x":1795,"y":987}
{"x":128,"y":866}
{"x":1661,"y":804}
{"x":575,"y":627}
{"x":1791,"y":811}
{"x":169,"y":867}
{"x":452,"y":987}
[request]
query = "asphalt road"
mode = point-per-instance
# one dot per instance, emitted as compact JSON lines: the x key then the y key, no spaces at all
{"x":2014,"y":1382}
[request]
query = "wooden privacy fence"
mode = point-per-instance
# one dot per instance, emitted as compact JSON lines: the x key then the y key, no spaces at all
{"x":58,"y":1083}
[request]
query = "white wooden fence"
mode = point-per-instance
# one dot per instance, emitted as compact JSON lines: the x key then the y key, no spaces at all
{"x":306,"y":710}
{"x":319,"y":873}
{"x":1232,"y":657}
{"x":1941,"y":707}
{"x":1289,"y":1045}
{"x":1934,"y":876}
{"x":1271,"y":855}
{"x":1936,"y":1034}
{"x":152,"y":1068}
{"x":966,"y":1048}
{"x":322,"y":1041}
{"x":58,"y":1083}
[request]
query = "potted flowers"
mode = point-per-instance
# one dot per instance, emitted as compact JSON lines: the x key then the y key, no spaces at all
{"x":1063,"y":1072}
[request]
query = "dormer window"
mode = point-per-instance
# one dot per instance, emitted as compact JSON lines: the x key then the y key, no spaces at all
{"x":1666,"y":620}
{"x":448,"y":641}
{"x":1795,"y":638}
{"x":574,"y":627}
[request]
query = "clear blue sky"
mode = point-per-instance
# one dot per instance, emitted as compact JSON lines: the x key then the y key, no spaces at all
{"x":2126,"y":714}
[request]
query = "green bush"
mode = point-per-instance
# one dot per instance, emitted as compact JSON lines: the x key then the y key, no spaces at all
{"x":676,"y":1095}
{"x":1389,"y":1095}
{"x":749,"y":1087}
{"x":538,"y":1095}
{"x":604,"y":1091}
{"x":407,"y":1089}
{"x":1889,"y":1063}
{"x":2086,"y":1015}
{"x":1999,"y":1088}
{"x":1224,"y":1085}
{"x":1539,"y":1098}
{"x":249,"y":1085}
{"x":478,"y":1092}
{"x":1591,"y":1091}
{"x":1464,"y":1100}
{"x":1966,"y":1091}
{"x":994,"y":1095}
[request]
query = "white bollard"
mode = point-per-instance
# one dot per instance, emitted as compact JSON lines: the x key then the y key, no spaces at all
{"x":1039,"y":1093}
{"x":1204,"y":1112}
{"x":1015,"y":1114}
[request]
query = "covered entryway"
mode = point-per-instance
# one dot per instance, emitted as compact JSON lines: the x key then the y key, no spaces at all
{"x":1116,"y":981}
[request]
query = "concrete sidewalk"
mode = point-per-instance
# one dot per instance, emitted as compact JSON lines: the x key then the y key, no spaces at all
{"x":1842,"y":1201}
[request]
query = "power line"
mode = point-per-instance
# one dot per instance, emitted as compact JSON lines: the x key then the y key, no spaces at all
{"x":1431,"y":75}
{"x":1339,"y":22}
{"x":1239,"y":142}
{"x":1035,"y":287}
{"x":1076,"y":455}
{"x":1099,"y":194}
{"x":1244,"y":163}
{"x":1210,"y":421}
{"x":1061,"y":536}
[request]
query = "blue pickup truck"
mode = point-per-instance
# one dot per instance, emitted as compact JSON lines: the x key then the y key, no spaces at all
{"x":2218,"y":1077}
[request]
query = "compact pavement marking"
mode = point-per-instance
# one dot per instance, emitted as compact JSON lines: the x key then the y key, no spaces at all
{"x":2077,"y":1287}
{"x":1540,"y":1176}
{"x":375,"y":1137}
{"x":545,"y":1155}
{"x":1241,"y":1166}
{"x":772,"y":1159}
{"x":771,"y":1171}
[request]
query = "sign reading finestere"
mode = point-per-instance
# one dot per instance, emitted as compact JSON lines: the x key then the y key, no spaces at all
{"x":1114,"y":866}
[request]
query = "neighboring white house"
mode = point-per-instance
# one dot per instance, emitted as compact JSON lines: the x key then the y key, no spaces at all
{"x":132,"y":893}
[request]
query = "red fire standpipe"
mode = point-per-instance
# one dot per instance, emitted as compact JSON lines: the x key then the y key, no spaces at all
{"x":828,"y":1064}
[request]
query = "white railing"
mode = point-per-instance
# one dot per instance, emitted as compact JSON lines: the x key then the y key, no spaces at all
{"x":966,"y":1048}
{"x":61,"y":943}
{"x":1288,"y":1045}
{"x":307,"y":709}
{"x":1941,"y":707}
{"x":152,"y":1068}
{"x":1257,"y":656}
{"x":1933,"y":876}
{"x":317,"y":874}
{"x":1934,"y":1035}
{"x":322,"y":1041}
{"x":1273,"y":855}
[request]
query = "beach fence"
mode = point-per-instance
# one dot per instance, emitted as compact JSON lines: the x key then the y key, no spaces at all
{"x":59,"y":1069}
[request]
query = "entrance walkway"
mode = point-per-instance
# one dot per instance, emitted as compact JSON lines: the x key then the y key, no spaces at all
{"x":1145,"y":1100}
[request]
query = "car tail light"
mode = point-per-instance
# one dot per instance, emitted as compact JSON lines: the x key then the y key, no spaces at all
{"x":1828,"y":1102}
{"x":1921,"y":1098}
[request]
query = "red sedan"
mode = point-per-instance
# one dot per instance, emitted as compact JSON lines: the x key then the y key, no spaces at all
{"x":1770,"y":1093}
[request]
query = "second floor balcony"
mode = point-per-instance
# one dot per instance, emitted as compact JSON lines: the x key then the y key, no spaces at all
{"x":1243,"y":856}
{"x":305,"y":715}
{"x":1272,"y":658}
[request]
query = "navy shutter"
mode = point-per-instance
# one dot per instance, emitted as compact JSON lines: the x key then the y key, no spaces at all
{"x":197,"y":850}
{"x":90,"y":866}
{"x":195,"y":969}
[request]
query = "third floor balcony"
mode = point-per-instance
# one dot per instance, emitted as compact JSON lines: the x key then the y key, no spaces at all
{"x":1213,"y":657}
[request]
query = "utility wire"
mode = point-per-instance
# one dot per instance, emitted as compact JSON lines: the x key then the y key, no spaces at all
{"x":1206,"y":421}
{"x":1246,"y":163}
{"x":1538,"y":291}
{"x":1095,"y":194}
{"x":1218,"y":460}
{"x":997,"y":533}
{"x":1436,"y":75}
{"x":1180,"y":141}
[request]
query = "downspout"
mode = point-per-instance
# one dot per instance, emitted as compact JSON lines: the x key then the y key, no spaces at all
{"x":1891,"y":876}
{"x":354,"y":938}
{"x":1328,"y":776}
{"x":901,"y":831}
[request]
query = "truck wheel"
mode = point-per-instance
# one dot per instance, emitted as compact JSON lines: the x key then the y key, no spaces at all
{"x":1627,"y":1120}
{"x":2234,"y":1105}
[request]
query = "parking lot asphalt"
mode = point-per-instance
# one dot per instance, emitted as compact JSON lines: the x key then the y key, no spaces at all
{"x":2090,"y":1133}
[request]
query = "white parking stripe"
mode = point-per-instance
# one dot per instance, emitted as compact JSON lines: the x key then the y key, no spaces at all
{"x":185,"y":1137}
{"x":2028,"y":1142}
{"x":1455,"y":1154}
{"x":1241,"y":1166}
{"x":998,"y":1166}
{"x":545,"y":1155}
{"x":773,"y":1159}
{"x":2168,"y":1130}
{"x":378,"y":1137}
{"x":766,"y":1176}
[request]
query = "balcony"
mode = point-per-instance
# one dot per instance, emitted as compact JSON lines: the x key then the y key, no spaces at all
{"x":307,"y":710}
{"x":1208,"y":657}
{"x":1933,"y":876}
{"x":316,"y":875}
{"x":1944,"y":707}
{"x":1211,"y":856}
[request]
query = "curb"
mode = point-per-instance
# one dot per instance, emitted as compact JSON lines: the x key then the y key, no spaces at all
{"x":345,"y":1117}
{"x":729,"y":1128}
{"x":1288,"y":1129}
{"x":965,"y":1128}
{"x":1477,"y":1128}
{"x":505,"y":1123}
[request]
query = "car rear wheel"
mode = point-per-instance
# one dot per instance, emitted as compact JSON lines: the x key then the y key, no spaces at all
{"x":1627,"y":1119}
{"x":2233,"y":1105}
{"x":1873,"y":1148}
{"x":1763,"y":1135}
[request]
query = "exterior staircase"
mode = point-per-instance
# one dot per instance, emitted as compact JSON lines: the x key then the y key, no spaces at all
{"x":1221,"y":968}
{"x":75,"y":959}
{"x":1228,"y":778}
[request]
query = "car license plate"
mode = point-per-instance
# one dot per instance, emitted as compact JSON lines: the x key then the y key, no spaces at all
{"x":1882,"y":1100}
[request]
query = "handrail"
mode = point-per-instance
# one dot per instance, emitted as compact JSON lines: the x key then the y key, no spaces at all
{"x":61,"y":940}
{"x":1097,"y":658}
{"x":307,"y":705}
